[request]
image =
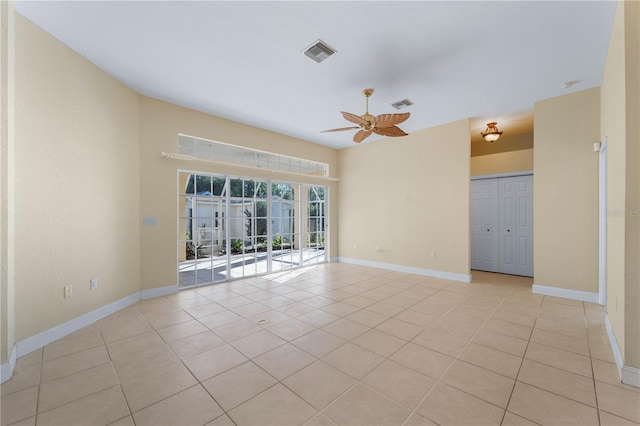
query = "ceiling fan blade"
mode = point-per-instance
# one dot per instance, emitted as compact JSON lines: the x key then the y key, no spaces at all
{"x":388,"y":120}
{"x":361,"y":135}
{"x":392,"y":131}
{"x":340,"y":129}
{"x":353,"y":118}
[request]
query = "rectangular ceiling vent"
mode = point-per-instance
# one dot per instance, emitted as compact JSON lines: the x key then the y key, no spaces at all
{"x":402,"y":104}
{"x":319,"y":51}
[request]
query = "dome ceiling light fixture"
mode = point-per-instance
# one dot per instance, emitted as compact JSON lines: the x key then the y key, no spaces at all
{"x":491,"y":133}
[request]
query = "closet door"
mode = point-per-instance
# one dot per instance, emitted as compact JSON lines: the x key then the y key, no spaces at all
{"x":489,"y":231}
{"x":524,"y":223}
{"x":507,"y":211}
{"x":476,"y":224}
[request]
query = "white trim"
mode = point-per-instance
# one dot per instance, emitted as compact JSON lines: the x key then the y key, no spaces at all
{"x":39,"y":340}
{"x":158,"y":291}
{"x":565,"y":293}
{"x":630,"y":376}
{"x":6,"y":369}
{"x":466,"y":278}
{"x":602,"y":223}
{"x":613,"y":342}
{"x":503,"y":175}
{"x":334,"y":259}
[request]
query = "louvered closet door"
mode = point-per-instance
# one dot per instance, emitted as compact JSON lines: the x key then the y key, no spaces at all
{"x":489,"y":220}
{"x":524,"y":223}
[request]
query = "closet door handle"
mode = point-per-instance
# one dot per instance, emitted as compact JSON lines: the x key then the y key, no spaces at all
{"x":487,"y":230}
{"x":508,"y":230}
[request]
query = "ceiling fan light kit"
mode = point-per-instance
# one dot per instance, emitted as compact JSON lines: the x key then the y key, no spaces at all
{"x":491,"y":133}
{"x":383,"y":124}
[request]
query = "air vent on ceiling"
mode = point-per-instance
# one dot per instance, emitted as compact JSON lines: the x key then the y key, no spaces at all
{"x":402,"y":104}
{"x":319,"y":51}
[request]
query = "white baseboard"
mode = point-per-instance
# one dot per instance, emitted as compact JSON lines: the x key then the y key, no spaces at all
{"x":565,"y":293}
{"x":6,"y":369}
{"x":39,"y":340}
{"x":628,"y":375}
{"x":159,"y":291}
{"x":334,"y":259}
{"x":466,"y":278}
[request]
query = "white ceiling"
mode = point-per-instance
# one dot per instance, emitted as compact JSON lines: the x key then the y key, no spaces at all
{"x":242,"y":60}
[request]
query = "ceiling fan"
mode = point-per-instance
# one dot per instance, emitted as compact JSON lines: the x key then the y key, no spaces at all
{"x":383,"y":124}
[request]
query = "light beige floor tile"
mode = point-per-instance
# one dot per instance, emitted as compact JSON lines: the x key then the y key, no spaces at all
{"x":237,"y":385}
{"x":511,"y":419}
{"x":125,"y":421}
{"x":479,"y":382}
{"x":237,"y":330}
{"x":75,"y":386}
{"x":418,"y":420}
{"x":72,"y":363}
{"x":559,"y":358}
{"x":318,"y":318}
{"x":606,"y":372}
{"x":516,"y":318}
{"x":345,"y":329}
{"x":602,"y":352}
{"x":143,"y":362}
{"x":318,"y":301}
{"x":401,"y":329}
{"x":560,"y":341}
{"x":318,"y":343}
{"x":380,"y":343}
{"x":561,"y":382}
{"x":257,"y":343}
{"x":364,"y":406}
{"x":423,"y":360}
{"x":405,"y":386}
{"x":135,"y":347}
{"x":607,"y":419}
{"x":276,"y":406}
{"x":205,"y":310}
{"x":319,"y":384}
{"x":103,"y":407}
{"x":19,"y":405}
{"x":295,"y":309}
{"x":250,"y":310}
{"x":291,"y":329}
{"x":320,"y":420}
{"x":219,"y":319}
{"x":491,"y":359}
{"x":420,"y":319}
{"x":113,"y":332}
{"x":358,"y":301}
{"x":508,"y":328}
{"x":24,"y":376}
{"x":164,"y":319}
{"x":340,"y":309}
{"x":549,"y":408}
{"x":441,"y":341}
{"x":386,"y":309}
{"x":72,"y":345}
{"x":367,"y":318}
{"x":214,"y":362}
{"x":284,"y":361}
{"x":446,"y":405}
{"x":193,"y":406}
{"x":621,"y":401}
{"x":353,"y":360}
{"x":223,"y":420}
{"x":501,"y":342}
{"x":272,"y":317}
{"x":181,"y":330}
{"x":156,"y":385}
{"x":196,"y":344}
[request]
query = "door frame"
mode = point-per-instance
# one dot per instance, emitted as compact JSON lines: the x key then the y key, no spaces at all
{"x":602,"y":224}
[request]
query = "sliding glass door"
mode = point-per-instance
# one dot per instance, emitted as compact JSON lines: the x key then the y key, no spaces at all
{"x":235,"y":227}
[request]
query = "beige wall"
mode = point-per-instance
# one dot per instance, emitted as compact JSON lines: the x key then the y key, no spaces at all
{"x":77,"y":184}
{"x":7,"y":167}
{"x":503,"y":162}
{"x":410,"y":196}
{"x":160,"y":124}
{"x":505,"y":144}
{"x":620,"y":110}
{"x":632,"y":232}
{"x":566,"y":191}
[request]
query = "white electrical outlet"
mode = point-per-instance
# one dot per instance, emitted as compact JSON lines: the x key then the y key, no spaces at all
{"x":433,"y":254}
{"x":378,"y":249}
{"x":68,"y":291}
{"x":93,"y":283}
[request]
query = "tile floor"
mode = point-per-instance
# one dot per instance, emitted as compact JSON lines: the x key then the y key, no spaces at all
{"x":332,"y":344}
